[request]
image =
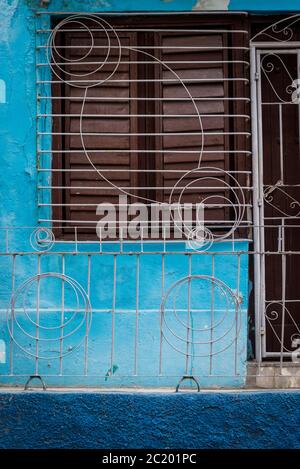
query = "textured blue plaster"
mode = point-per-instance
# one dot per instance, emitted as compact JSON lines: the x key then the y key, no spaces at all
{"x":114,"y":420}
{"x":19,"y":207}
{"x":19,"y":183}
{"x":176,"y":267}
{"x":2,"y":92}
{"x":264,"y":5}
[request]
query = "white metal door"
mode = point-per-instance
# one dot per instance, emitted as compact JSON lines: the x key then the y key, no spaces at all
{"x":276,"y":200}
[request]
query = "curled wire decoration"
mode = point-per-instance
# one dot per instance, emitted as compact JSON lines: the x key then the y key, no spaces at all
{"x":186,"y":321}
{"x":111,"y":34}
{"x":269,"y":67}
{"x":53,"y":49}
{"x":235,"y":200}
{"x":113,"y":42}
{"x":42,"y":239}
{"x":295,"y":338}
{"x":293,"y":204}
{"x":275,"y":313}
{"x":200,"y":239}
{"x":61,"y":334}
{"x":281,"y":31}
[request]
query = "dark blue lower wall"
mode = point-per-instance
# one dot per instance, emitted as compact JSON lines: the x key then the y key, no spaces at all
{"x":143,"y":420}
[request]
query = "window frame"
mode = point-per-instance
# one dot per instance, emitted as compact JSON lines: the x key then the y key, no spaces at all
{"x":236,"y":142}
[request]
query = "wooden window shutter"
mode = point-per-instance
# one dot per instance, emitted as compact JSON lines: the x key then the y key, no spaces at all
{"x":159,"y":112}
{"x":208,"y":69}
{"x":112,"y":155}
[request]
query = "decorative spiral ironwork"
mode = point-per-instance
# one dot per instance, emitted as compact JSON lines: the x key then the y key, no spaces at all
{"x":267,"y":67}
{"x":278,"y":312}
{"x":42,"y":239}
{"x":65,"y":328}
{"x":193,"y":235}
{"x":235,"y":199}
{"x":186,"y":311}
{"x":293,"y":204}
{"x":53,"y":50}
{"x":281,"y":28}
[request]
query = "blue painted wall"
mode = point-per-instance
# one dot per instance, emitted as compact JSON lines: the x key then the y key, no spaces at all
{"x":264,"y":5}
{"x":147,"y":347}
{"x":112,"y":420}
{"x":261,"y":420}
{"x":19,"y":208}
{"x":18,"y":199}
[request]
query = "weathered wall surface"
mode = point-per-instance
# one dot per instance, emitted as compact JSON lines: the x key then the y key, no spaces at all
{"x":111,"y":420}
{"x":99,"y":420}
{"x":19,"y":207}
{"x":19,"y":181}
{"x":17,"y":116}
{"x":18,"y":195}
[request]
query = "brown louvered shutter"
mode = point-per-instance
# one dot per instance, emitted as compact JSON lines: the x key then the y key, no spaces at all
{"x":155,"y":105}
{"x":109,"y":110}
{"x":201,"y":61}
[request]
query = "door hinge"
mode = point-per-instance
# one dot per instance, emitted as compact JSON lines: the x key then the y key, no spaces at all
{"x":262,"y":331}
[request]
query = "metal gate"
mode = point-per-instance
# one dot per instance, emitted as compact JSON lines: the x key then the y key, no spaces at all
{"x":276,"y":179}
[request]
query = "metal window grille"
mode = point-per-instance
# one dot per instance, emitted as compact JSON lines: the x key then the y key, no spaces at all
{"x":162,"y":310}
{"x":162,"y":118}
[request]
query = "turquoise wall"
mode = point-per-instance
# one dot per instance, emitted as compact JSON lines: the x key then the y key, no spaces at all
{"x":145,"y":346}
{"x":18,"y":198}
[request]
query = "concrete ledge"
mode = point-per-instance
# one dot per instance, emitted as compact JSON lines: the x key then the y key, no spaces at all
{"x":270,"y":375}
{"x":150,"y":420}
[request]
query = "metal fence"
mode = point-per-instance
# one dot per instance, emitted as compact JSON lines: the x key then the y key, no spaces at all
{"x":151,"y":313}
{"x":122,"y":317}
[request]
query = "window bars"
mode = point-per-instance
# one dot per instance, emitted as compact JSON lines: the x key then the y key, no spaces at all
{"x":125,"y":319}
{"x":275,"y":116}
{"x":150,"y":109}
{"x":164,"y":118}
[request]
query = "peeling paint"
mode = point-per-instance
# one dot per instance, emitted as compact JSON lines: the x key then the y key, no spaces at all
{"x":18,"y":195}
{"x":2,"y":92}
{"x":212,"y":5}
{"x":7,"y":11}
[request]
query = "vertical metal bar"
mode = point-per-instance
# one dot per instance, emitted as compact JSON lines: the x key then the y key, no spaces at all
{"x":161,"y":316}
{"x":86,"y":342}
{"x":283,"y":293}
{"x":76,"y":239}
{"x":121,"y":239}
{"x":11,"y":345}
{"x":212,"y":315}
{"x":233,"y":241}
{"x":37,"y":317}
{"x":137,"y":286}
{"x":279,"y":244}
{"x":100,"y":241}
{"x":261,"y":223}
{"x":113,"y":311}
{"x":62,"y":316}
{"x":188,"y":328}
{"x":255,"y":176}
{"x":142,"y":239}
{"x":281,"y":142}
{"x":237,"y":315}
{"x":257,"y":198}
{"x":38,"y":146}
